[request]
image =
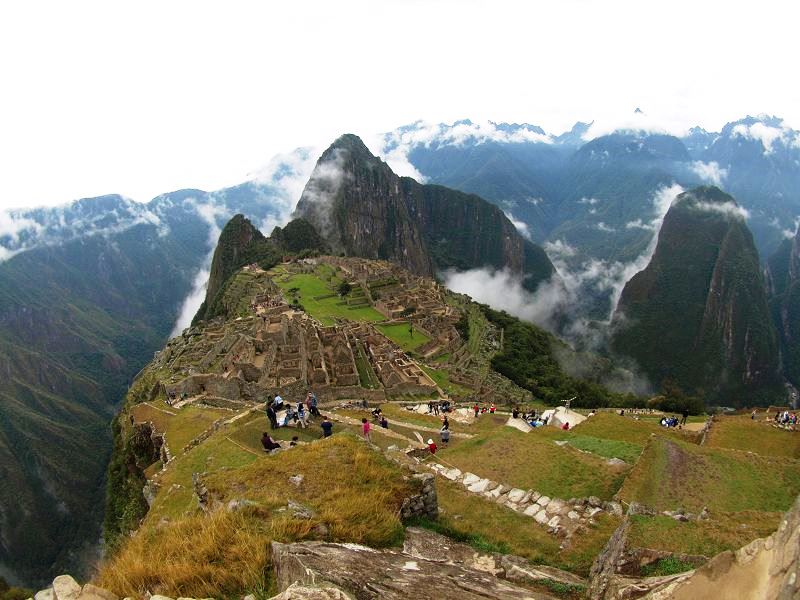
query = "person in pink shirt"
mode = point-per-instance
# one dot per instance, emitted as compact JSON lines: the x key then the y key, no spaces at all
{"x":365,"y":427}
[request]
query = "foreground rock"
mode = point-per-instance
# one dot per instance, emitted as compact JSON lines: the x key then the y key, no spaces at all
{"x":364,"y":573}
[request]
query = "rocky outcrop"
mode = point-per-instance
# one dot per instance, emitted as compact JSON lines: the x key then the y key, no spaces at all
{"x":364,"y":209}
{"x":426,"y":569}
{"x":701,"y":302}
{"x":65,"y":587}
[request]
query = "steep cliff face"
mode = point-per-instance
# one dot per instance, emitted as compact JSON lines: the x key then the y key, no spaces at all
{"x":783,"y":279}
{"x":698,"y":313}
{"x":364,"y":209}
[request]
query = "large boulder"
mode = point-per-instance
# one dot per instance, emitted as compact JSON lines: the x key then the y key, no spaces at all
{"x":366,"y":573}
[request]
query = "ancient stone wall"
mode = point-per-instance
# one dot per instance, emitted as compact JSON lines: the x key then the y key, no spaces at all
{"x":422,"y":505}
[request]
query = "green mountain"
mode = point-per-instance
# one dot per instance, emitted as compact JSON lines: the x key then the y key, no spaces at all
{"x":698,"y":313}
{"x":77,"y":321}
{"x":240,"y":244}
{"x":783,"y":280}
{"x":93,"y":290}
{"x":362,"y":208}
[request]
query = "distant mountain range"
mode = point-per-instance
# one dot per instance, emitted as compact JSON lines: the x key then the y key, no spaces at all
{"x":88,"y":291}
{"x":594,"y":194}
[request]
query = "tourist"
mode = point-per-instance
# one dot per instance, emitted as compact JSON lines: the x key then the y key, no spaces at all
{"x":436,"y":408}
{"x":685,"y":416}
{"x":445,"y":435}
{"x":565,"y":426}
{"x":753,"y":414}
{"x":291,"y":415}
{"x":430,"y":407}
{"x":268,"y":443}
{"x":365,"y":427}
{"x":432,"y":446}
{"x":492,"y":408}
{"x":384,"y":423}
{"x":327,"y":427}
{"x":446,"y":423}
{"x":272,"y":416}
{"x":314,"y":409}
{"x":277,"y":402}
{"x":477,"y":409}
{"x":301,"y":414}
{"x":515,"y":413}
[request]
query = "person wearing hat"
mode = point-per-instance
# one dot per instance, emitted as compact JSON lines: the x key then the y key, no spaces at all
{"x":432,"y":446}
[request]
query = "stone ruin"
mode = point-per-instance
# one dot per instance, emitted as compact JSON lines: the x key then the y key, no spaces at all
{"x":282,"y":350}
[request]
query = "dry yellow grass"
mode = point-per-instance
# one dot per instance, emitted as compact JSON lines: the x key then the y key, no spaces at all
{"x":354,"y":491}
{"x":199,"y":556}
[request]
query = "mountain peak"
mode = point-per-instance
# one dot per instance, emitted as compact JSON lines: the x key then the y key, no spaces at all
{"x":362,"y":208}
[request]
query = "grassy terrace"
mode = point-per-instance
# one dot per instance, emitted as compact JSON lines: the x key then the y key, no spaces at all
{"x":442,"y":379}
{"x":742,"y":433}
{"x":534,"y":461}
{"x":672,"y":474}
{"x":322,"y":302}
{"x":495,"y":528}
{"x":182,"y":427}
{"x":400,"y":335}
{"x":723,"y":531}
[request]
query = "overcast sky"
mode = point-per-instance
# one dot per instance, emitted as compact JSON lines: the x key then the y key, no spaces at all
{"x":141,"y":98}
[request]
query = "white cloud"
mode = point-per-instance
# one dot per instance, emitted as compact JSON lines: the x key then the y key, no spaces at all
{"x":520,"y":225}
{"x":710,"y":171}
{"x":725,"y":208}
{"x":639,"y":123}
{"x":26,"y":229}
{"x":589,"y":201}
{"x":559,"y":249}
{"x":604,"y":227}
{"x":567,"y":291}
{"x":768,"y":135}
{"x":212,"y":213}
{"x":503,"y":290}
{"x":395,"y":146}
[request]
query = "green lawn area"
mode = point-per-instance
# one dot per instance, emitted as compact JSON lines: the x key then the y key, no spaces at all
{"x":325,"y":309}
{"x":724,"y":531}
{"x":607,"y":448}
{"x":442,"y":379}
{"x":534,"y":461}
{"x":672,"y":474}
{"x":496,"y":527}
{"x":400,"y":335}
{"x":742,"y":433}
{"x":611,"y":426}
{"x":181,"y":428}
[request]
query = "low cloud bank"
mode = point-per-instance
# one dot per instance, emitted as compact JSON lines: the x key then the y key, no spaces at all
{"x":563,"y":304}
{"x":26,"y":229}
{"x":212,"y":214}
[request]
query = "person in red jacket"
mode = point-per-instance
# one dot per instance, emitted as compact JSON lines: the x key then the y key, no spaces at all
{"x":432,"y":446}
